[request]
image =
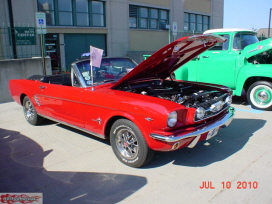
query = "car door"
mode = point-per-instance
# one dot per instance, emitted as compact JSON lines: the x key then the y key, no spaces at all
{"x":62,"y":103}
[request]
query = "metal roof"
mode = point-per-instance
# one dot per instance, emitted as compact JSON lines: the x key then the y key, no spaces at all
{"x":221,"y":30}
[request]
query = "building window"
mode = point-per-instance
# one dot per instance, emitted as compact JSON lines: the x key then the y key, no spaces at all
{"x":73,"y":12}
{"x":206,"y":25}
{"x":82,"y":13}
{"x":186,"y":22}
{"x":133,"y":13}
{"x":98,"y":13}
{"x":164,"y":17}
{"x":147,"y":18}
{"x":199,"y":25}
{"x":196,"y":22}
{"x":143,"y":18}
{"x":154,"y":19}
{"x":65,"y":12}
{"x":47,"y":6}
{"x":192,"y":22}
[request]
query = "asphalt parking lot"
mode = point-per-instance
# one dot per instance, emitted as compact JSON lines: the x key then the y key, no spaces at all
{"x":69,"y":166}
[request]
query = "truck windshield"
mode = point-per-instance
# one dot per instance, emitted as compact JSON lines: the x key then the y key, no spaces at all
{"x":242,"y":40}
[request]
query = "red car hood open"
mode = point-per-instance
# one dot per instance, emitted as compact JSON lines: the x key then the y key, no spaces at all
{"x":169,"y":58}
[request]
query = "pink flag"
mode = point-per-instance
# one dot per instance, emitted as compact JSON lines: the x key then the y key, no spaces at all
{"x":96,"y":56}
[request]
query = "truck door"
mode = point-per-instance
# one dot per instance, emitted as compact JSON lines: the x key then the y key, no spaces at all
{"x":218,"y":65}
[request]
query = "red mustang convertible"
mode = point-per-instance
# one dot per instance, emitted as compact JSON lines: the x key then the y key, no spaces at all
{"x":140,"y":112}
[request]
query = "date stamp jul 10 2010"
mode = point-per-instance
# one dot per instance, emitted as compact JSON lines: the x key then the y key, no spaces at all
{"x":230,"y":185}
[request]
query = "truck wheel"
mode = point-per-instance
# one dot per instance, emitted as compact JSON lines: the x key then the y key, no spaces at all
{"x":30,"y":113}
{"x":259,"y":95}
{"x":128,"y":144}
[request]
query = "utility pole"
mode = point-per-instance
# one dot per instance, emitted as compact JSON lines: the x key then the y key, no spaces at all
{"x":12,"y":29}
{"x":269,"y":23}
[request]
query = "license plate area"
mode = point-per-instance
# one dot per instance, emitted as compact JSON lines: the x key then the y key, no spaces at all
{"x":212,"y":133}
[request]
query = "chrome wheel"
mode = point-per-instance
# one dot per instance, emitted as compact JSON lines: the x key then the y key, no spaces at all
{"x":260,"y":95}
{"x":127,"y":143}
{"x":29,"y":111}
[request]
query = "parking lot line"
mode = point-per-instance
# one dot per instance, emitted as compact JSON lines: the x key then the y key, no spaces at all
{"x":250,"y":111}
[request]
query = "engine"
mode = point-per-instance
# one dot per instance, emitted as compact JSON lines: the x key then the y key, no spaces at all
{"x":206,"y":100}
{"x":262,"y":58}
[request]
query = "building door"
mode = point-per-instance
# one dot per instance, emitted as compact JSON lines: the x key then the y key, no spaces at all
{"x":52,"y":50}
{"x":77,"y":44}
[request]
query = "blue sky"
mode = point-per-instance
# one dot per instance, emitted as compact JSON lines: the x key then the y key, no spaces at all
{"x":247,"y":14}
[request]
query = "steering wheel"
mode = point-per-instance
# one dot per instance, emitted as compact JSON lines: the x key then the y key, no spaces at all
{"x":122,"y":72}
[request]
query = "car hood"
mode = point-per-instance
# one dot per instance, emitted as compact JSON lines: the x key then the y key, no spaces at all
{"x":257,"y":48}
{"x":169,"y":58}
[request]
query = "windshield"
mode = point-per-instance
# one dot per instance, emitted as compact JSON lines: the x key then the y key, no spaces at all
{"x":241,"y":40}
{"x":110,"y":70}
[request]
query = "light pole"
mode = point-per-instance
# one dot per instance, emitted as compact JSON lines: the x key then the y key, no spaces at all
{"x":269,"y":23}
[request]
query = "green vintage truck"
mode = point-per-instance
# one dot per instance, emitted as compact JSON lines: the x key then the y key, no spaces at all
{"x":241,"y":63}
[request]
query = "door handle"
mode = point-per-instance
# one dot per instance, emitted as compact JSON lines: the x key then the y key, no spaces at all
{"x":42,"y":87}
{"x":205,"y":56}
{"x":196,"y":58}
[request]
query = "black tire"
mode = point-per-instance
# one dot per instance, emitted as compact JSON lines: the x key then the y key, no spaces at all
{"x":128,"y":144}
{"x":30,"y":112}
{"x":259,"y":95}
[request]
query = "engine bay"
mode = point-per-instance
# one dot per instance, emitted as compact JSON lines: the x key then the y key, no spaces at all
{"x":262,"y":58}
{"x":187,"y":94}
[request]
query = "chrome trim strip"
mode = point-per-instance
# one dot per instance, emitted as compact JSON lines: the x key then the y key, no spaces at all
{"x":73,"y":126}
{"x":223,"y":122}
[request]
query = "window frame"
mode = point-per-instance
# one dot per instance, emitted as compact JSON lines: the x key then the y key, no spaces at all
{"x":224,"y":46}
{"x":196,"y":22}
{"x":101,"y":14}
{"x":55,"y":13}
{"x":50,"y":11}
{"x":136,"y":16}
{"x":65,"y":12}
{"x":82,"y":12}
{"x":152,"y":18}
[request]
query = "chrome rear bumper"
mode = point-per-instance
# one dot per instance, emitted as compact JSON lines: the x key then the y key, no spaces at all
{"x":224,"y":122}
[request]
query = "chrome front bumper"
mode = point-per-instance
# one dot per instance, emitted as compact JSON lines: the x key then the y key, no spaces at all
{"x":224,"y":122}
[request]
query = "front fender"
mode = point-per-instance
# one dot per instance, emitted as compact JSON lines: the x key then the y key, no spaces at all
{"x":251,"y":70}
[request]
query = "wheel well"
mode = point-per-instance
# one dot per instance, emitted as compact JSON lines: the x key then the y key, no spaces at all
{"x":110,"y":123}
{"x":22,"y":98}
{"x":252,"y":80}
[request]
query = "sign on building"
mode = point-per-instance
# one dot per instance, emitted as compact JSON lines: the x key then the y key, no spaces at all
{"x":175,"y":28}
{"x":25,"y":35}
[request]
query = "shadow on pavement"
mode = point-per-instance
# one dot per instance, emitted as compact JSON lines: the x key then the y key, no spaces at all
{"x":240,"y":100}
{"x":22,"y":170}
{"x":228,"y":141}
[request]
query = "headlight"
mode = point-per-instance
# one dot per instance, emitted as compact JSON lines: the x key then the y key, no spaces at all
{"x":200,"y":113}
{"x":172,"y":119}
{"x":228,"y":100}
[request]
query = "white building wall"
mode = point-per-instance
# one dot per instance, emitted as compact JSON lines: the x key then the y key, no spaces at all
{"x":117,"y":21}
{"x":217,"y":15}
{"x":24,"y":12}
{"x":177,"y":13}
